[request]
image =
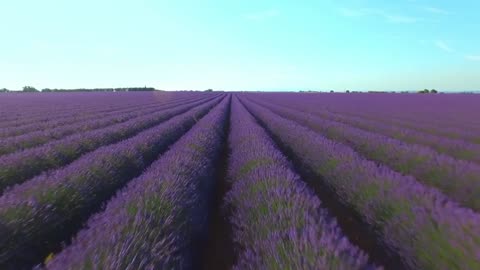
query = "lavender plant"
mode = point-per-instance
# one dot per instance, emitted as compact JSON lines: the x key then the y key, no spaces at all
{"x":29,"y":140}
{"x":34,"y":213}
{"x":278,"y":221}
{"x":19,"y":167}
{"x":456,"y":178}
{"x":424,"y":227}
{"x":56,"y":119}
{"x":155,"y":221}
{"x":457,"y":148}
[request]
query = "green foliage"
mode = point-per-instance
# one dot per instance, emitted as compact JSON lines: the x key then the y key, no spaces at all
{"x":426,"y":91}
{"x":29,"y":89}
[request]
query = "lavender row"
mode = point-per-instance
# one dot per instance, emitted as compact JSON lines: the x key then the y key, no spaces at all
{"x":153,"y":222}
{"x":34,"y":215}
{"x":38,"y":108}
{"x":18,"y":167}
{"x":449,"y":118}
{"x":458,"y":149}
{"x":456,"y":133}
{"x":34,"y":113}
{"x":29,"y":140}
{"x":88,"y":104}
{"x":41,"y":108}
{"x":55,"y":121}
{"x":457,"y":178}
{"x":424,"y":227}
{"x":382,"y":107}
{"x":436,"y":111}
{"x":278,"y":221}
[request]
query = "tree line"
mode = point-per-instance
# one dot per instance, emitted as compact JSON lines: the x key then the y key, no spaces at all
{"x":31,"y":89}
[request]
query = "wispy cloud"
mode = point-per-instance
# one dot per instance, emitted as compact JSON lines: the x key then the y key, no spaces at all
{"x":262,"y":15}
{"x":389,"y":17}
{"x":444,"y":46}
{"x":473,"y":57}
{"x":436,"y":10}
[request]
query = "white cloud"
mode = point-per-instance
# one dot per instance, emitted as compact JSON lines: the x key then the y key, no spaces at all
{"x":436,"y":10}
{"x":389,"y":17}
{"x":473,"y":57}
{"x":262,"y":15}
{"x":443,"y":46}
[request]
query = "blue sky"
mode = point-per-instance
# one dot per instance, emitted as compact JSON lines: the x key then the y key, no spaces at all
{"x":241,"y":45}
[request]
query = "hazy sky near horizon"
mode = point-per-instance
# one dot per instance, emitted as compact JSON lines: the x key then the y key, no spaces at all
{"x":241,"y":45}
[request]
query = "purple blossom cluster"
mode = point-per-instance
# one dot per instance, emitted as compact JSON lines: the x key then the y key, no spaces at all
{"x":466,"y":132}
{"x":453,"y":116}
{"x":17,"y":110}
{"x":137,"y":180}
{"x":458,"y":179}
{"x":29,"y":140}
{"x":33,"y":214}
{"x":278,"y":221}
{"x":156,"y":220}
{"x":56,"y":119}
{"x":424,"y":227}
{"x":18,"y":167}
{"x":445,"y":129}
{"x":456,"y":148}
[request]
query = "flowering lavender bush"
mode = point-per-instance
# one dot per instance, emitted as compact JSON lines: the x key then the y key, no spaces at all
{"x":154,"y":222}
{"x":456,"y":178}
{"x":57,"y":119}
{"x":31,"y":214}
{"x":143,"y":181}
{"x":29,"y":140}
{"x":427,"y":229}
{"x":278,"y":221}
{"x":18,"y":167}
{"x":18,"y":110}
{"x":456,"y":148}
{"x":451,"y":116}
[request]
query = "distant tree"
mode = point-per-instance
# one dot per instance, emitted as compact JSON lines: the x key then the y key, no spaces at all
{"x":424,"y":91}
{"x":331,"y":91}
{"x":29,"y":89}
{"x":4,"y":90}
{"x":209,"y":90}
{"x":348,"y":91}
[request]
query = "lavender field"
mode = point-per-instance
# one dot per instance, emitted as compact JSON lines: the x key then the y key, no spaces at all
{"x":218,"y":180}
